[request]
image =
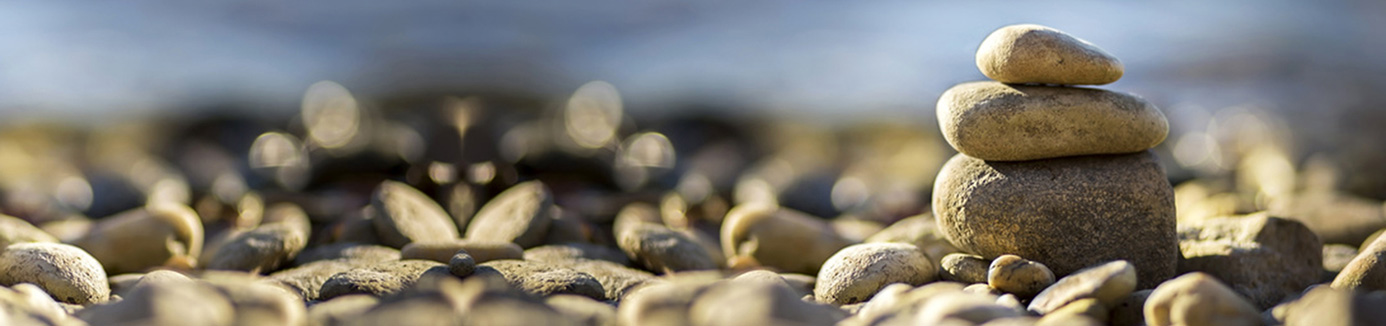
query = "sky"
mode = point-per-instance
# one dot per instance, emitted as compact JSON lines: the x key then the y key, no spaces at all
{"x":94,"y":60}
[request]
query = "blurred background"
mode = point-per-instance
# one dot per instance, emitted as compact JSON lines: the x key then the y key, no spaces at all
{"x":828,"y":107}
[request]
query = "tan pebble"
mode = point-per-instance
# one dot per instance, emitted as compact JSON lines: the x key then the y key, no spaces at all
{"x":1197,"y":299}
{"x":402,"y":214}
{"x":1028,"y":53}
{"x":1109,"y":283}
{"x":521,"y":215}
{"x":779,"y":238}
{"x":65,"y":272}
{"x":143,"y":238}
{"x":965,"y":268}
{"x":855,"y":273}
{"x":1012,"y":274}
{"x":480,"y":250}
{"x":983,"y":119}
{"x":14,"y":230}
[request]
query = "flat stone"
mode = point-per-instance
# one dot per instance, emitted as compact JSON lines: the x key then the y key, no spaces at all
{"x":999,"y":122}
{"x":1261,"y":257}
{"x":480,"y":250}
{"x":67,"y":273}
{"x":378,"y":279}
{"x":402,"y":214}
{"x":576,"y":250}
{"x":1109,"y":283}
{"x":263,"y":249}
{"x":1023,"y":277}
{"x":964,"y":268}
{"x":1198,"y":299}
{"x":1029,"y":53}
{"x":657,"y":248}
{"x":547,"y":279}
{"x":1089,"y":308}
{"x":779,"y":238}
{"x":1067,"y":213}
{"x":857,"y":272}
{"x":521,"y":215}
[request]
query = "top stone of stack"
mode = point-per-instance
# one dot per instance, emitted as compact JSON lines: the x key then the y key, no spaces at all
{"x":1034,"y":54}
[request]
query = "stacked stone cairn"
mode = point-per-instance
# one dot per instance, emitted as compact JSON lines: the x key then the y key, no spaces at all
{"x":1051,"y":172}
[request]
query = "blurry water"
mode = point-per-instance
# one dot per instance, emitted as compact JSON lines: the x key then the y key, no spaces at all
{"x":95,"y":59}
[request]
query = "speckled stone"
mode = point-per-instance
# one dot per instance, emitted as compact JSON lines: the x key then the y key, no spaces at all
{"x":1029,"y":53}
{"x":855,"y":273}
{"x":1068,"y":213}
{"x":65,"y":272}
{"x":1261,"y":257}
{"x":1023,"y":277}
{"x":999,"y":122}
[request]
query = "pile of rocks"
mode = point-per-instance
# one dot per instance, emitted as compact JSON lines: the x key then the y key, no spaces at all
{"x":1054,"y":173}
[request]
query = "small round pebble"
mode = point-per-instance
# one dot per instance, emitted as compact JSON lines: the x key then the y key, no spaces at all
{"x":67,"y":273}
{"x":461,"y":264}
{"x":1022,"y":277}
{"x":855,"y":273}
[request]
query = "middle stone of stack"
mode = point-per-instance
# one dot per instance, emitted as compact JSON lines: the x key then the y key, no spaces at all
{"x":1059,"y":175}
